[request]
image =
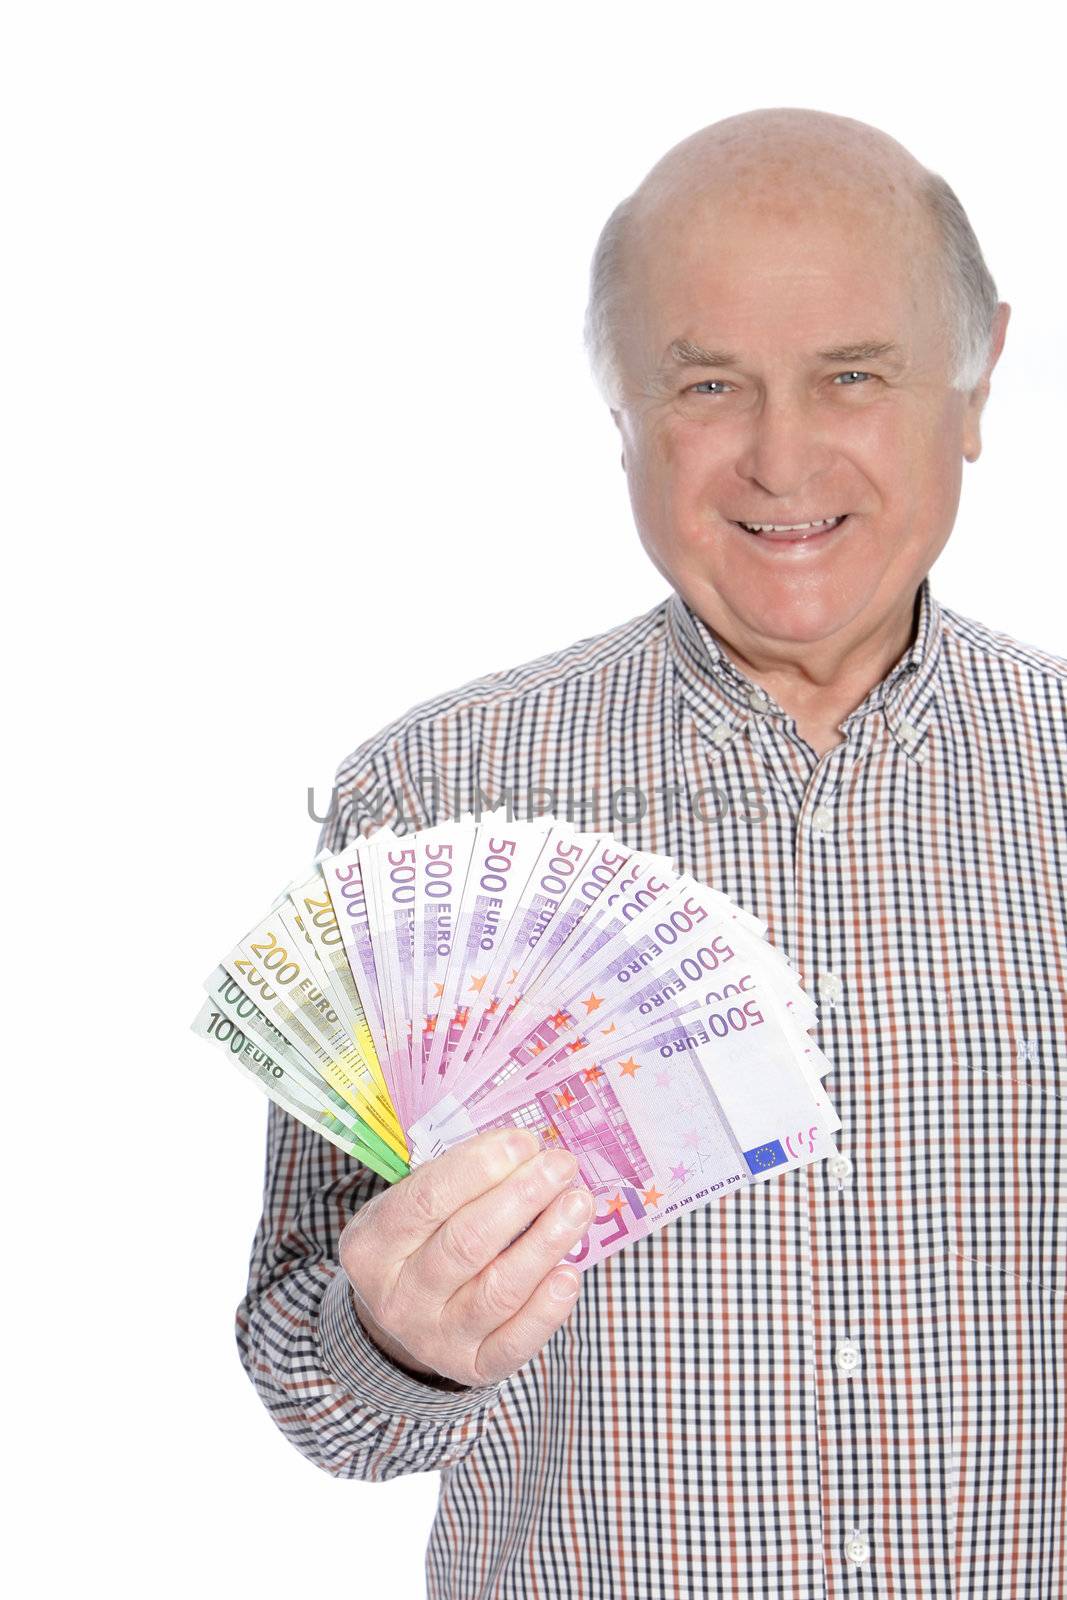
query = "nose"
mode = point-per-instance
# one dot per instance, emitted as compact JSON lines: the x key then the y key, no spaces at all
{"x":783,"y":448}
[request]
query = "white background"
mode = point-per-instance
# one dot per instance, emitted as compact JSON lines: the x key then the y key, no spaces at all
{"x":297,"y":431}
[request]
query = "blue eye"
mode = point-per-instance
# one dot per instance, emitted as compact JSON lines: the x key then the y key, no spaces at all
{"x":707,"y":385}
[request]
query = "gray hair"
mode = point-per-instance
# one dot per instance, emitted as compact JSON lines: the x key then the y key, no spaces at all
{"x":968,"y":294}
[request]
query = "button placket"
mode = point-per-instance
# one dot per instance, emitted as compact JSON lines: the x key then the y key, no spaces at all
{"x":819,"y":812}
{"x":819,"y":863}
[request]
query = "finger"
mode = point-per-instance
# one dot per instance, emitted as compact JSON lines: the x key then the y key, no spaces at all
{"x":505,"y":1284}
{"x":476,"y":1234}
{"x":511,"y":1345}
{"x":415,"y":1207}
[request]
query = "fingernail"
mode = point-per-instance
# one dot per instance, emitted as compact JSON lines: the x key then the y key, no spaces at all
{"x":521,"y":1144}
{"x":576,"y":1207}
{"x":564,"y":1286}
{"x":560,"y":1164}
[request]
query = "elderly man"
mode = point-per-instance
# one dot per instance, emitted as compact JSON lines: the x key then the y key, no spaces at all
{"x":850,"y":1380}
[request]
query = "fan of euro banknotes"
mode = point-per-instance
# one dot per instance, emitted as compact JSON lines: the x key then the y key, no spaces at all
{"x":415,"y":990}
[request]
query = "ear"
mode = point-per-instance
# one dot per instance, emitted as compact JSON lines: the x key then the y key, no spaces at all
{"x":972,"y":435}
{"x":616,"y":417}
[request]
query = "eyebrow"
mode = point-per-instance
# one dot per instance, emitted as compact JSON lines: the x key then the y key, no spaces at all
{"x":684,"y":353}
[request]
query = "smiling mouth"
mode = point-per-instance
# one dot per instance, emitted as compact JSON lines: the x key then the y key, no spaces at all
{"x":792,"y":533}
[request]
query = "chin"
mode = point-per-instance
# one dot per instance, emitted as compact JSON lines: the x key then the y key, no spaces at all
{"x":800,"y":620}
{"x":790,"y":613}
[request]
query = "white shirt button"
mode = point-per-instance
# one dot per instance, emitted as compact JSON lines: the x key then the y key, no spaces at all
{"x":908,"y":733}
{"x":847,"y":1355}
{"x":721,"y":732}
{"x":830,"y":987}
{"x":840,"y":1169}
{"x":822,"y":819}
{"x":759,"y":700}
{"x":857,"y":1548}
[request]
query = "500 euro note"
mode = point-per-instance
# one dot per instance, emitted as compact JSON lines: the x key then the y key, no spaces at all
{"x":662,"y":965}
{"x":677,"y":932}
{"x":501,"y":861}
{"x":442,"y":860}
{"x":558,"y":866}
{"x":668,"y":1122}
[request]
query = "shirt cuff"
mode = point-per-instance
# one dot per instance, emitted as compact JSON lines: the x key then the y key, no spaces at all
{"x":367,"y":1372}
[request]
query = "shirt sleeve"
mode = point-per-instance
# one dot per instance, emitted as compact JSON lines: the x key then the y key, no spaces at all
{"x":338,"y":1399}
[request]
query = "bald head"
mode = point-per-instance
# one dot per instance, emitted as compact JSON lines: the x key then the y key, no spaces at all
{"x":782,"y":151}
{"x":783,"y":163}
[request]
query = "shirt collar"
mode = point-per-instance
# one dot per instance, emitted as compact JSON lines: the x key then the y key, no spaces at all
{"x":725,"y":700}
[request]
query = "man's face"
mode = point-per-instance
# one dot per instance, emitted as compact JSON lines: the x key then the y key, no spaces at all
{"x":776,"y":429}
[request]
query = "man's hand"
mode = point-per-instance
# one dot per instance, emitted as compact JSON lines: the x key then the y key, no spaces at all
{"x":438,"y":1283}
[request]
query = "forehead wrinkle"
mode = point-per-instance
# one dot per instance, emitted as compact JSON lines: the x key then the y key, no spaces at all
{"x":777,"y":169}
{"x":677,"y":238}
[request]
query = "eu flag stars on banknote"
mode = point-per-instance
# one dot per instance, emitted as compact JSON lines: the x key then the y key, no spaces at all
{"x":413,"y":991}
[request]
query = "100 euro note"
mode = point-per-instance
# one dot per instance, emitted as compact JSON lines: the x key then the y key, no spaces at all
{"x":231,"y":1021}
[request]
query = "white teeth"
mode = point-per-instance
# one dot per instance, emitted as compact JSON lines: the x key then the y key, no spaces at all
{"x":787,"y":527}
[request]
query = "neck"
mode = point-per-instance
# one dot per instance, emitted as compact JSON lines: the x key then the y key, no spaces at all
{"x":820,"y":684}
